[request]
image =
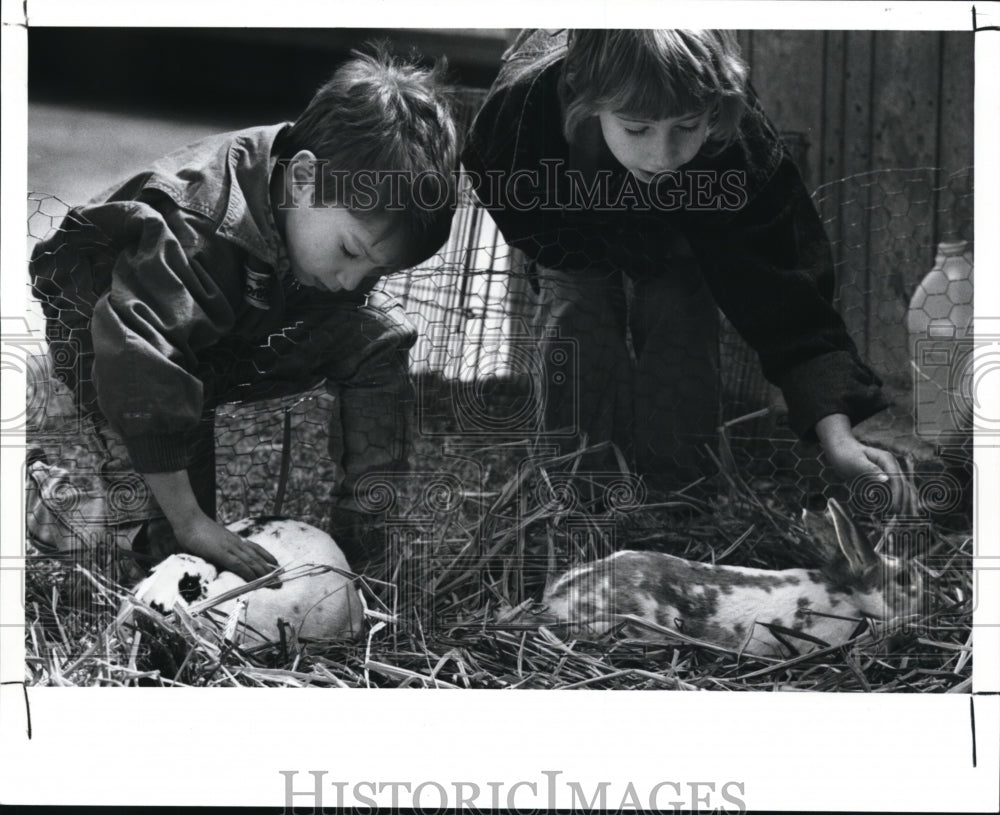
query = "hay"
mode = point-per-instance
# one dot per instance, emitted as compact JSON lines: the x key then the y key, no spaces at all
{"x":437,"y":619}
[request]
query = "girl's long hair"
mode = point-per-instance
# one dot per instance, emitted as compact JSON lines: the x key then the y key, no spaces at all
{"x":655,"y":74}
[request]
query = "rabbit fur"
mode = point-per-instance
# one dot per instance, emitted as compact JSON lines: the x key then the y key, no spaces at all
{"x":750,"y":610}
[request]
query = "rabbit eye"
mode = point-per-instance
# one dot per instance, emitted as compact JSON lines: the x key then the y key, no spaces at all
{"x":909,"y":581}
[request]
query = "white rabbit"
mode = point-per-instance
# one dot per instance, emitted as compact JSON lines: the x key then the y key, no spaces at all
{"x":757,"y":611}
{"x":321,"y":604}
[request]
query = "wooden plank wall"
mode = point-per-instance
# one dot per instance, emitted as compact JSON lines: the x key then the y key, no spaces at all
{"x":871,"y":103}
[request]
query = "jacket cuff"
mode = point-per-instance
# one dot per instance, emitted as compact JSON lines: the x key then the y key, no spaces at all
{"x":834,"y":382}
{"x":158,"y":454}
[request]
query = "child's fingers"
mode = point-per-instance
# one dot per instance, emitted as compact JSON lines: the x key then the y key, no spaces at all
{"x":866,"y":462}
{"x":239,"y":563}
{"x":269,"y":560}
{"x":249,"y":567}
{"x":254,"y":561}
{"x":242,"y":557}
{"x":891,"y":472}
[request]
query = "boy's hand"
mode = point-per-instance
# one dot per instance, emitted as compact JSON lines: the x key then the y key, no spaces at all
{"x":198,"y":534}
{"x":852,"y":459}
{"x":226,"y":550}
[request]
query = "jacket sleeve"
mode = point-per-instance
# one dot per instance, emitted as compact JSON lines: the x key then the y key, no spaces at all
{"x":545,"y":234}
{"x":517,"y":127}
{"x":770,"y":270}
{"x":165,"y":304}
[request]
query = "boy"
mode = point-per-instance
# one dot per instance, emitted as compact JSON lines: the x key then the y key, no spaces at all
{"x":239,"y":268}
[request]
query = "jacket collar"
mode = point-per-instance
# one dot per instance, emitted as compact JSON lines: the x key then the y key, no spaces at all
{"x":248,"y":220}
{"x":227,"y":178}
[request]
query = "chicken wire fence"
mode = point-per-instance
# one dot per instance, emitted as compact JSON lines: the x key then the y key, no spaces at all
{"x":476,"y":364}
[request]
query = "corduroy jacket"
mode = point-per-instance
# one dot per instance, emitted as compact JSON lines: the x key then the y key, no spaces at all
{"x":170,"y":293}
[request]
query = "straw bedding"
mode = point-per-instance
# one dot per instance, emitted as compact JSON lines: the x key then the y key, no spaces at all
{"x":505,"y":519}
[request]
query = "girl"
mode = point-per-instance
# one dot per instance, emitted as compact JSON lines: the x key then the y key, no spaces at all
{"x":640,"y":177}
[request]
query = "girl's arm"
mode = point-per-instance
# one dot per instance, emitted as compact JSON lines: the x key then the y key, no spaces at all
{"x":852,"y":459}
{"x":768,"y":261}
{"x":771,"y":271}
{"x":200,"y":535}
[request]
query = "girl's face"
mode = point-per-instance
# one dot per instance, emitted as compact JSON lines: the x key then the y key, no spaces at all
{"x":646,"y":147}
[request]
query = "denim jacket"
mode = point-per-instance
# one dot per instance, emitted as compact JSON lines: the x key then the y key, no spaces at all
{"x":757,"y":237}
{"x":170,"y":294}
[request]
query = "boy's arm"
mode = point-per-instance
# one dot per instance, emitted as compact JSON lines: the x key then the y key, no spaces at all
{"x":200,"y":535}
{"x":135,"y":276}
{"x":169,"y":298}
{"x":172,"y":295}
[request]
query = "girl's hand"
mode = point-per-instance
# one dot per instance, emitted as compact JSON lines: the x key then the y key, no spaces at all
{"x":851,"y":459}
{"x":208,"y":539}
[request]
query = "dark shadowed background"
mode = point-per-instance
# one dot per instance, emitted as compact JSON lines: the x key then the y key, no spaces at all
{"x":104,"y":102}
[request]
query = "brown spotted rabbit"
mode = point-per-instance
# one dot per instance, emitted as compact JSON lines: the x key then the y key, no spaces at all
{"x":756,"y":611}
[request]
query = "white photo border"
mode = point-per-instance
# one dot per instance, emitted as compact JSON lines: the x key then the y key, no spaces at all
{"x":204,"y":747}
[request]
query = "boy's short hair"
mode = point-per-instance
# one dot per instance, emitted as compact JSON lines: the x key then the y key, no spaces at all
{"x":384,"y":131}
{"x":656,"y":74}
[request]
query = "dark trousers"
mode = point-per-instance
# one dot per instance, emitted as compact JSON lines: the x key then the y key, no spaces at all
{"x":646,"y":368}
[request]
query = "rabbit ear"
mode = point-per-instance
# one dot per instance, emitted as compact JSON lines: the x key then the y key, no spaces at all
{"x":822,"y":532}
{"x":851,"y":539}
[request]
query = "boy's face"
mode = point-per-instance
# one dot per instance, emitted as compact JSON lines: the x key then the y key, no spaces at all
{"x":329,"y":247}
{"x":647,"y":147}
